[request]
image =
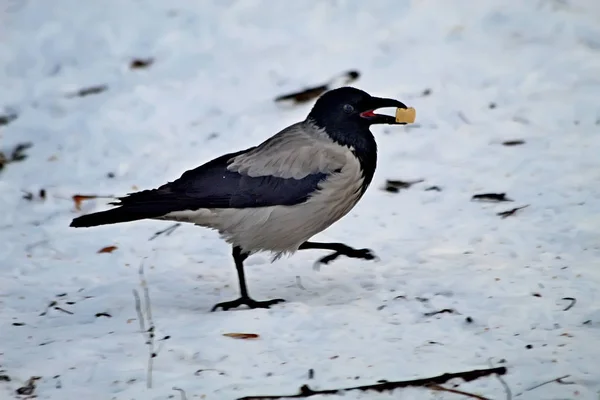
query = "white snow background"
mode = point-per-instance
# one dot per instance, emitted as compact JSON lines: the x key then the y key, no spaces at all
{"x":217,"y":67}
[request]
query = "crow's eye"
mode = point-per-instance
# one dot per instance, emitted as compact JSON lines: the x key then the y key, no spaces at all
{"x":348,"y":108}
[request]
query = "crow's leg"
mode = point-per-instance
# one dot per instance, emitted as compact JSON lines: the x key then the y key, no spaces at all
{"x":339,"y":249}
{"x":239,"y":257}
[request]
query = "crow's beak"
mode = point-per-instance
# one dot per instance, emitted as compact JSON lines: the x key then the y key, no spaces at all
{"x":375,"y":103}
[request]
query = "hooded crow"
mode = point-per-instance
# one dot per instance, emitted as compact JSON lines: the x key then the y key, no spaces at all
{"x":277,"y":195}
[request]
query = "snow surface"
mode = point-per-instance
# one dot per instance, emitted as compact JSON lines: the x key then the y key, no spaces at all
{"x":218,"y":66}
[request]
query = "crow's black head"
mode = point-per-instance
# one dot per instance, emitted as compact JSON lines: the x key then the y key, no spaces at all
{"x":347,"y":109}
{"x":346,"y":114}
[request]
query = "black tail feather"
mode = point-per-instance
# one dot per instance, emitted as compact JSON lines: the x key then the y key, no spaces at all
{"x":114,"y":216}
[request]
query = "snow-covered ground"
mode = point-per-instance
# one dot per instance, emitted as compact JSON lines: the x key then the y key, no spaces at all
{"x":497,"y":70}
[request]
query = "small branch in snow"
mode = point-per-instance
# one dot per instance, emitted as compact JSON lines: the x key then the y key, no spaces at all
{"x":557,"y":380}
{"x":147,"y":318}
{"x":182,"y":392}
{"x":48,"y":307}
{"x":311,"y":93}
{"x":467,"y":376}
{"x":200,"y":371}
{"x":395,"y":185}
{"x":444,"y":311}
{"x":8,"y":118}
{"x":516,"y":142}
{"x":144,"y":285}
{"x":513,"y":211}
{"x":29,"y":196}
{"x":88,"y":91}
{"x":139,"y":63}
{"x":15,"y":155}
{"x":29,"y":387}
{"x":63,"y":310}
{"x":166,"y":231}
{"x":54,"y":305}
{"x":303,"y":96}
{"x":138,"y":309}
{"x":502,"y":381}
{"x":463,"y":117}
{"x":456,"y":391}
{"x":506,"y":387}
{"x":573,"y":301}
{"x":491,"y":197}
{"x":299,"y":283}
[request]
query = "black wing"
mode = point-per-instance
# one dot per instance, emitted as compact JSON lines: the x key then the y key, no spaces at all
{"x":208,"y":186}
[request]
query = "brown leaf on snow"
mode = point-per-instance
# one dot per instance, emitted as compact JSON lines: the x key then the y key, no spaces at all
{"x":242,"y":335}
{"x":107,"y":249}
{"x":78,"y":198}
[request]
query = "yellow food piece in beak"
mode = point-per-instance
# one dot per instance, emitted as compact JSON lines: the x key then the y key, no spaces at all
{"x":406,"y":115}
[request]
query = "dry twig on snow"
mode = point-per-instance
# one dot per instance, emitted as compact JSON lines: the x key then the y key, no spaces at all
{"x":456,"y":391}
{"x":181,"y":392}
{"x":558,"y":380}
{"x":167,"y":231}
{"x":146,"y":319}
{"x":467,"y":376}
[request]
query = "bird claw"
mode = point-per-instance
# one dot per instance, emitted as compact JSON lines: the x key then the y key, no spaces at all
{"x":364,"y":254}
{"x":251,"y":303}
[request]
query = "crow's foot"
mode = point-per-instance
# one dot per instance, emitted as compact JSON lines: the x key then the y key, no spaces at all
{"x":365,"y":254}
{"x":247,"y":301}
